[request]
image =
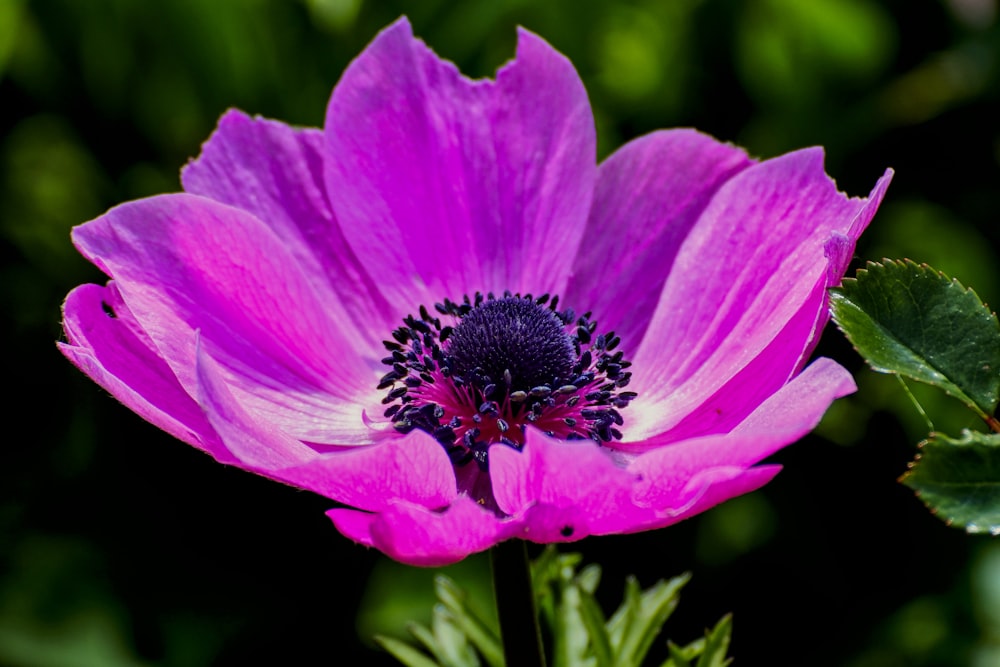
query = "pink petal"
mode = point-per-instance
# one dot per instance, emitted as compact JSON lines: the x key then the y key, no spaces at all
{"x":860,"y":222}
{"x":561,"y":490}
{"x":417,"y":536}
{"x":705,"y":490}
{"x":801,"y":403}
{"x":782,"y":419}
{"x":275,"y":172}
{"x":771,"y":369}
{"x":414,"y":468}
{"x":258,"y":444}
{"x":648,"y":195}
{"x":107,"y":348}
{"x":354,"y":525}
{"x":765,"y":235}
{"x":184,"y":263}
{"x":449,"y":185}
{"x":566,"y":490}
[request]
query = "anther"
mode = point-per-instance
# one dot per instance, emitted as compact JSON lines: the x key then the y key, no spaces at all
{"x":503,"y":363}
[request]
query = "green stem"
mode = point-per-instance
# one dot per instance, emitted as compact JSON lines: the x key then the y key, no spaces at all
{"x":519,"y":631}
{"x":916,"y":403}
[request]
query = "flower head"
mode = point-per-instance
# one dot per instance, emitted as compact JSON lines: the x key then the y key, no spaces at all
{"x":440,"y":312}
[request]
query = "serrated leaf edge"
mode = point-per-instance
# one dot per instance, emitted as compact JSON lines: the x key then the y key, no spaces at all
{"x":924,"y":268}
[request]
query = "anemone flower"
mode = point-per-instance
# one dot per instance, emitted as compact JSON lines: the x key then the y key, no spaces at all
{"x":441,"y":313}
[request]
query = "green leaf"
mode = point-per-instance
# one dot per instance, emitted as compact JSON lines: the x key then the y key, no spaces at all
{"x":959,"y":480}
{"x":405,"y":653}
{"x":571,"y":641}
{"x":627,"y":611}
{"x":911,"y":320}
{"x":548,"y":572}
{"x":466,"y":620}
{"x":589,"y":577}
{"x":645,"y":615}
{"x":455,"y":635}
{"x":593,"y":620}
{"x":681,"y":656}
{"x":710,"y":649}
{"x":425,"y":637}
{"x":717,"y":644}
{"x":452,"y":648}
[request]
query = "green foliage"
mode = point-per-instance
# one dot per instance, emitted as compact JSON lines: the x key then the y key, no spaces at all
{"x":788,"y":48}
{"x":912,"y":321}
{"x":710,"y":650}
{"x":959,"y":479}
{"x":458,"y":636}
{"x":581,"y":634}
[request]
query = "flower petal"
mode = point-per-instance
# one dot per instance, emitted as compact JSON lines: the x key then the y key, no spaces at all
{"x":752,"y":384}
{"x":766,"y":234}
{"x":649,"y":194}
{"x":566,"y":490}
{"x":560,"y":490}
{"x":839,"y":261}
{"x":103,"y":342}
{"x":782,"y":419}
{"x":417,"y":536}
{"x":184,"y":263}
{"x":777,"y":363}
{"x":449,"y":185}
{"x":275,"y":172}
{"x":706,"y":490}
{"x":414,"y":468}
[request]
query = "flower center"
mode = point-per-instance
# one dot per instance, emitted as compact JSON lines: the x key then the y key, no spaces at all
{"x":504,"y":364}
{"x":517,"y":340}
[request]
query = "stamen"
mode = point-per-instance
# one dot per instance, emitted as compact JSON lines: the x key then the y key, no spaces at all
{"x":500,"y":365}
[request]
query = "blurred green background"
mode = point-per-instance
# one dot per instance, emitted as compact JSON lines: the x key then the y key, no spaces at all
{"x":120,"y":546}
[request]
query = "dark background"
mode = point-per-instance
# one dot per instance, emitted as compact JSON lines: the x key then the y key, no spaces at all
{"x":121,"y":546}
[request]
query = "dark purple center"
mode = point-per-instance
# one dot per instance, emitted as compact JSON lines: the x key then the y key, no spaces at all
{"x":514,"y":343}
{"x":504,"y":364}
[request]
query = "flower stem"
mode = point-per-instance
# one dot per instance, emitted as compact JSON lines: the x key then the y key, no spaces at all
{"x":519,"y":631}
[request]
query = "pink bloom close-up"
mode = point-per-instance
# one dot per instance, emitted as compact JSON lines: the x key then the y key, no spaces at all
{"x":441,"y":313}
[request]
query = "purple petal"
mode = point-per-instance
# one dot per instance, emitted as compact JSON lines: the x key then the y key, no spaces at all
{"x":417,"y":536}
{"x":566,"y":490}
{"x":706,"y":489}
{"x":275,"y":172}
{"x":761,"y":377}
{"x":839,"y":260}
{"x":258,"y":445}
{"x":184,"y":263}
{"x":778,"y":363}
{"x":682,"y":479}
{"x":779,"y":421}
{"x":414,"y":468}
{"x":561,"y":490}
{"x":765,"y":235}
{"x":449,"y":185}
{"x":648,"y":195}
{"x":112,"y":350}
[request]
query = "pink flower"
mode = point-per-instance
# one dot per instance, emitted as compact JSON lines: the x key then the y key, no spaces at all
{"x":247,"y":315}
